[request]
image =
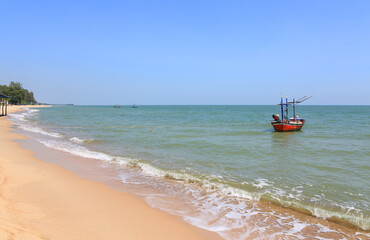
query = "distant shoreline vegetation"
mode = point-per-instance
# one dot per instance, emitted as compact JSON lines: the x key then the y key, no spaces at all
{"x":18,"y":95}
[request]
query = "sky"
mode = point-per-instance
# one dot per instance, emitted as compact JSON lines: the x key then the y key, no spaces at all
{"x":187,"y":52}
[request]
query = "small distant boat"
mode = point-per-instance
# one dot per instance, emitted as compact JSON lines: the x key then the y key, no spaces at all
{"x":117,"y":106}
{"x":286,"y":124}
{"x":134,"y":106}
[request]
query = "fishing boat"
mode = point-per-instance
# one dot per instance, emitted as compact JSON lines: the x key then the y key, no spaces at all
{"x":117,"y":106}
{"x":286,"y":124}
{"x":134,"y":106}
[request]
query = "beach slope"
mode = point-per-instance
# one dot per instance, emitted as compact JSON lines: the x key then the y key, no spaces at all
{"x":39,"y":200}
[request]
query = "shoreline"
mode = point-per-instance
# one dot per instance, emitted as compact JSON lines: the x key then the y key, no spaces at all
{"x":91,"y":170}
{"x":105,"y":173}
{"x":40,"y":200}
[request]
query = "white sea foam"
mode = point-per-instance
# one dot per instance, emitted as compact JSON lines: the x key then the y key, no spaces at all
{"x":261,"y":183}
{"x":26,"y":113}
{"x":82,"y":151}
{"x":21,"y":120}
{"x":17,"y":116}
{"x":129,"y":179}
{"x":297,"y":227}
{"x":76,"y":140}
{"x":80,"y":141}
{"x":39,"y":130}
{"x":204,"y":182}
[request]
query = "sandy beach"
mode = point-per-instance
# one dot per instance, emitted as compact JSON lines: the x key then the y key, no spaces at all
{"x":39,"y":200}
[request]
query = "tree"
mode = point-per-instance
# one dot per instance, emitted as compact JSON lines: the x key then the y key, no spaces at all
{"x":17,"y":94}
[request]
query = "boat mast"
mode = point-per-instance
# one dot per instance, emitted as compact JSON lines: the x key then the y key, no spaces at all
{"x":282,"y":107}
{"x":294,"y":109}
{"x":286,"y":107}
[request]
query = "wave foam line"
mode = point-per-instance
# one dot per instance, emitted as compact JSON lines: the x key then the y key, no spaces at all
{"x":39,"y":130}
{"x":79,"y":141}
{"x":207,"y":182}
{"x":356,"y":219}
{"x":20,"y":119}
{"x":82,"y":151}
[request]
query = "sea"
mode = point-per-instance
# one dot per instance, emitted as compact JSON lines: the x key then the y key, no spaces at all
{"x":223,"y":168}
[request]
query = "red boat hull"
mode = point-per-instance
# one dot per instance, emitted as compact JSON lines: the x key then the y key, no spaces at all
{"x":287,"y":126}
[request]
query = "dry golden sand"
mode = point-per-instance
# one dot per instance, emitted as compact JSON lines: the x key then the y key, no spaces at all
{"x":39,"y":200}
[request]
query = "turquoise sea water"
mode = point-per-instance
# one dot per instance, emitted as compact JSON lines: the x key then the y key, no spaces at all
{"x":225,"y":151}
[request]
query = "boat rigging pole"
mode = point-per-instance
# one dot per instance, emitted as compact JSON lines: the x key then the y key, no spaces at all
{"x":286,"y":108}
{"x":302,"y":99}
{"x":282,"y":108}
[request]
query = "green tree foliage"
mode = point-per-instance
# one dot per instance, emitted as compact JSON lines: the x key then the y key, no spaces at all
{"x":17,"y":94}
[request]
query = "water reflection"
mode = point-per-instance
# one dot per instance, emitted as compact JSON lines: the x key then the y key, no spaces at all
{"x":284,"y":139}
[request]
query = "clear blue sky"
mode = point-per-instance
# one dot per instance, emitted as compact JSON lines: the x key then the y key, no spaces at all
{"x":187,"y":52}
